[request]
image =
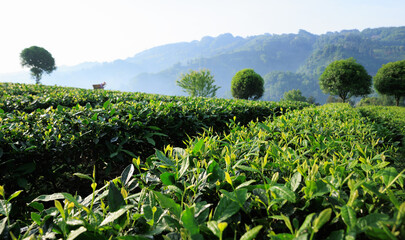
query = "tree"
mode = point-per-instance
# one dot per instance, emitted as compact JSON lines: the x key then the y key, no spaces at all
{"x":294,"y":95}
{"x":198,"y":83}
{"x":246,"y":84}
{"x":345,"y":78}
{"x":390,"y":80}
{"x":39,"y":60}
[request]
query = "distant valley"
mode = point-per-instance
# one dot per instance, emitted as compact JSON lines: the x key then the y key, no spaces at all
{"x":287,"y":61}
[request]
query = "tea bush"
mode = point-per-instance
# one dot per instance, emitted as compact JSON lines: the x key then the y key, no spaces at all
{"x":50,"y":132}
{"x":317,"y":173}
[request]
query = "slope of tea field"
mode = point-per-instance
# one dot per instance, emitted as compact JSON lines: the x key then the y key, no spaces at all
{"x":328,"y":172}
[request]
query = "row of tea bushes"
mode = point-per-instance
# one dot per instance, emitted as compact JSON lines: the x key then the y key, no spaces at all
{"x":40,"y":149}
{"x":393,"y":119}
{"x":317,"y":173}
{"x":28,"y":98}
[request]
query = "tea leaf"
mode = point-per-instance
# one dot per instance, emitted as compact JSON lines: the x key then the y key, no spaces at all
{"x":75,"y":233}
{"x":284,"y":193}
{"x":84,"y":176}
{"x":295,"y":181}
{"x":3,"y":224}
{"x":198,"y":146}
{"x":225,"y":209}
{"x":38,"y":206}
{"x":166,"y":161}
{"x":348,"y":216}
{"x":228,"y":178}
{"x":112,"y":216}
{"x":245,"y":184}
{"x":127,"y":174}
{"x":115,"y":199}
{"x":189,"y":222}
{"x":14,"y":195}
{"x":169,"y":203}
{"x":36,"y":218}
{"x":168,"y":178}
{"x":388,"y":175}
{"x":323,"y":218}
{"x":47,"y":198}
{"x":58,"y":205}
{"x":213,"y":226}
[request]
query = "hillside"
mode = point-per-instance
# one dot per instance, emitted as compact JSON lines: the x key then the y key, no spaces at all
{"x":84,"y":164}
{"x":286,"y":61}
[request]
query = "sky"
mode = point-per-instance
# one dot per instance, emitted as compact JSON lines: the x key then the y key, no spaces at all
{"x":77,"y":31}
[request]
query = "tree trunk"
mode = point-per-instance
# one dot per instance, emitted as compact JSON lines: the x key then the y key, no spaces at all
{"x":397,"y":100}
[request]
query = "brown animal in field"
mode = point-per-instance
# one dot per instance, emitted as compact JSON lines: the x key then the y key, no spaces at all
{"x":99,"y":86}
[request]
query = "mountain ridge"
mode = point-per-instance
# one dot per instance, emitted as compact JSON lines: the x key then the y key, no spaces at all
{"x":301,"y":56}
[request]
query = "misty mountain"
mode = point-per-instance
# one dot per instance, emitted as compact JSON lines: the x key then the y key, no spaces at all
{"x":286,"y":61}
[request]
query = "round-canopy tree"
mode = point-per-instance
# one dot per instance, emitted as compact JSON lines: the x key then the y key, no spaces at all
{"x":39,"y":60}
{"x":390,"y":80}
{"x":246,"y":84}
{"x":294,"y":95}
{"x":198,"y":83}
{"x":345,"y":78}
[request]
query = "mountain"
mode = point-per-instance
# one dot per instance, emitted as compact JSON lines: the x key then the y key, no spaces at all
{"x":286,"y":61}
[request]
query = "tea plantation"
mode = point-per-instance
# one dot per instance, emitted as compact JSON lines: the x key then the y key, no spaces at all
{"x":84,"y":164}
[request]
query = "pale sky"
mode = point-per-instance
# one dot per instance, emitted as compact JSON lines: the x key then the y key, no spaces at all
{"x":76,"y":31}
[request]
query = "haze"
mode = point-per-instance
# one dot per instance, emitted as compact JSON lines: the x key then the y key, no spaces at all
{"x":83,"y":31}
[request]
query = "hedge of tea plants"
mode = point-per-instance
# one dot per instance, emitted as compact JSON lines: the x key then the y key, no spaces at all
{"x":392,"y":118}
{"x":317,"y":173}
{"x":49,"y":132}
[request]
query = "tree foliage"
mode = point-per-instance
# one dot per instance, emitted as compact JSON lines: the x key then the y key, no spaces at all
{"x":247,"y":84}
{"x":345,"y":78}
{"x":39,"y":60}
{"x":294,"y":95}
{"x":198,"y":83}
{"x":390,"y":80}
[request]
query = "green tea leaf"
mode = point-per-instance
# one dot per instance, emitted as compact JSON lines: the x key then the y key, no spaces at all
{"x":112,"y":216}
{"x":225,"y":209}
{"x":295,"y":181}
{"x":198,"y":146}
{"x":323,"y":218}
{"x":213,"y":226}
{"x":14,"y":195}
{"x":36,"y":218}
{"x":3,"y":224}
{"x":127,"y":174}
{"x":245,"y":184}
{"x":284,"y":193}
{"x":75,"y":233}
{"x":168,"y":178}
{"x":371,"y":220}
{"x":106,"y":104}
{"x":189,"y":222}
{"x":38,"y":206}
{"x":348,"y":216}
{"x":163,"y":159}
{"x":389,"y":175}
{"x":169,"y":203}
{"x":84,"y":176}
{"x":5,"y":207}
{"x":58,"y":205}
{"x":185,"y":164}
{"x":115,"y":199}
{"x":47,"y":198}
